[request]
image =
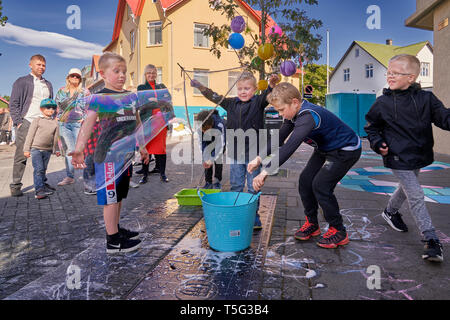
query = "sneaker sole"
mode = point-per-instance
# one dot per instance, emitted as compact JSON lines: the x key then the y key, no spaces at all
{"x":385,"y":217}
{"x":113,"y":251}
{"x":314,"y":234}
{"x":433,"y":259}
{"x":334,"y":245}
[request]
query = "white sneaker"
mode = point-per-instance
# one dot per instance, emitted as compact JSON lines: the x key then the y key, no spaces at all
{"x":2,"y":143}
{"x":134,"y":184}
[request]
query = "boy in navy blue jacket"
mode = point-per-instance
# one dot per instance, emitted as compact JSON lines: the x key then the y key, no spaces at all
{"x":399,"y":128}
{"x":245,"y":112}
{"x":336,"y":149}
{"x":212,"y":144}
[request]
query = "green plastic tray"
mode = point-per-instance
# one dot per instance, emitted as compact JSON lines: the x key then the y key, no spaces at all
{"x":189,"y":197}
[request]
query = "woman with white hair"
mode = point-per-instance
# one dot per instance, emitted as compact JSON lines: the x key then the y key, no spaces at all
{"x":157,"y":146}
{"x":70,"y":114}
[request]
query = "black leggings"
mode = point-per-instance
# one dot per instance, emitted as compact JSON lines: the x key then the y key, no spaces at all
{"x":160,"y":164}
{"x":318,"y":180}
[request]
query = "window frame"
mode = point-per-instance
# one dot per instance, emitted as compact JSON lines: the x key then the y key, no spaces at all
{"x":198,"y":71}
{"x":153,"y":25}
{"x":205,"y":25}
{"x":347,"y":75}
{"x":369,"y":70}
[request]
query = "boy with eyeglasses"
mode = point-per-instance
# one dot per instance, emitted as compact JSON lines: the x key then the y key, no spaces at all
{"x":399,"y":128}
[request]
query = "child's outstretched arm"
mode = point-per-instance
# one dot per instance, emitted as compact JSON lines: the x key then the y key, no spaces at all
{"x":440,"y":114}
{"x":83,"y":137}
{"x":212,"y":96}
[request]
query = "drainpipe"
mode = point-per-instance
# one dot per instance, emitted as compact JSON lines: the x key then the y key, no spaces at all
{"x":171,"y":52}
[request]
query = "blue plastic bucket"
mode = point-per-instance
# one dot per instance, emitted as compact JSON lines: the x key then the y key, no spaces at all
{"x":229,"y":219}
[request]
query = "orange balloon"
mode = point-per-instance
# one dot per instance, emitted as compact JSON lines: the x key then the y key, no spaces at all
{"x":262,"y":85}
{"x":265,"y":51}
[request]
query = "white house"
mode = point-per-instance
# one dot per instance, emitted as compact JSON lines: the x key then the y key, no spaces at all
{"x":363,"y":67}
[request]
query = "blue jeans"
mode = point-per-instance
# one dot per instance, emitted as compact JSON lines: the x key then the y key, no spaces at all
{"x":238,"y":176}
{"x":39,"y":159}
{"x":68,"y":132}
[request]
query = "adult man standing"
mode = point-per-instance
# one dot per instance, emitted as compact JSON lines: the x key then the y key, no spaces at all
{"x":27,"y":94}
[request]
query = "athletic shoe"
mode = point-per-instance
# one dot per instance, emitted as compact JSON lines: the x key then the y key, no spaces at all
{"x":89,"y":191}
{"x":127,"y":234}
{"x":208,"y":185}
{"x":164,"y":178}
{"x":40,"y":194}
{"x":395,"y":221}
{"x":217,"y":185}
{"x":16,"y":192}
{"x":307,"y":231}
{"x":258,"y":224}
{"x":66,"y":181}
{"x":2,"y":143}
{"x":143,"y":180}
{"x":433,"y":251}
{"x":47,"y":191}
{"x":333,"y":238}
{"x":118,"y":244}
{"x":134,"y":184}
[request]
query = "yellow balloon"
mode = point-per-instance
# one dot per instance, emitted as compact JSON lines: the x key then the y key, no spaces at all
{"x":262,"y":85}
{"x":279,"y":77}
{"x":265,"y":51}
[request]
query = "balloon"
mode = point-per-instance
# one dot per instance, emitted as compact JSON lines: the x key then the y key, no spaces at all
{"x":276,"y":29}
{"x":238,"y":24}
{"x":256,"y":62}
{"x":236,"y":41}
{"x":288,"y":68}
{"x":262,"y":85}
{"x":279,"y":78}
{"x":265,"y":51}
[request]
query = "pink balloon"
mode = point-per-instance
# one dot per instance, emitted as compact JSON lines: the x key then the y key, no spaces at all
{"x":276,"y":29}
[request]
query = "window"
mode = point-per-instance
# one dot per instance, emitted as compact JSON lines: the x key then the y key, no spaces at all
{"x":159,"y":75}
{"x":154,"y":33}
{"x":425,"y":69}
{"x":121,"y":48}
{"x":232,"y":78}
{"x":132,"y":39}
{"x":200,"y":40}
{"x":347,"y":74}
{"x":356,"y":53}
{"x":203,"y":77}
{"x":369,"y":70}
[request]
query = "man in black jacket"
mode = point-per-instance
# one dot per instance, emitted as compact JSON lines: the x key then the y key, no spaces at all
{"x":26,"y":96}
{"x":399,"y":127}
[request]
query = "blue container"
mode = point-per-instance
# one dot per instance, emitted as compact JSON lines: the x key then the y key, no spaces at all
{"x":345,"y":107}
{"x":229,"y":219}
{"x":365,"y":102}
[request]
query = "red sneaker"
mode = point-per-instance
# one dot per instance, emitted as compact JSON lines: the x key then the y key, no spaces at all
{"x":307,"y":231}
{"x":333,"y":238}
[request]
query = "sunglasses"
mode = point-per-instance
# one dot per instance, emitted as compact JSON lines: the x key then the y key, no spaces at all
{"x":75,"y":76}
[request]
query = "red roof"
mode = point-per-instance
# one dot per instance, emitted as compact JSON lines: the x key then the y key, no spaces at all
{"x":5,"y":101}
{"x":138,"y":5}
{"x":94,"y":64}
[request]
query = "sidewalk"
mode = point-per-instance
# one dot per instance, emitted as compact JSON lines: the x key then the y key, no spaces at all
{"x":42,"y":242}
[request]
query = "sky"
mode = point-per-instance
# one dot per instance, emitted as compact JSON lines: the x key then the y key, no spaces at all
{"x":41,"y":27}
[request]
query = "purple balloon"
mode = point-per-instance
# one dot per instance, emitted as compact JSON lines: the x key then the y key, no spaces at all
{"x":288,"y":68}
{"x":238,"y":24}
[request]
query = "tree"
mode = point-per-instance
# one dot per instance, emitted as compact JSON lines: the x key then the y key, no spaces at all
{"x":297,"y":38}
{"x":3,"y":19}
{"x":6,"y":98}
{"x":316,"y":75}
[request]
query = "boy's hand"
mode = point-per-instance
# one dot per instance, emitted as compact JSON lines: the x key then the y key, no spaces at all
{"x":258,"y":182}
{"x":196,"y":84}
{"x":77,"y":159}
{"x":273,"y":80}
{"x":26,"y":154}
{"x":254,"y":164}
{"x":384,"y":149}
{"x":145,"y":157}
{"x":207,"y":164}
{"x":58,"y":154}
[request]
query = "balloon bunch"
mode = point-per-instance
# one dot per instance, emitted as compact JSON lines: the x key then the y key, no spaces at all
{"x":265,"y":51}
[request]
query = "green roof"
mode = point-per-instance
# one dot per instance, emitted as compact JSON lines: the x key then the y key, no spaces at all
{"x":384,"y":52}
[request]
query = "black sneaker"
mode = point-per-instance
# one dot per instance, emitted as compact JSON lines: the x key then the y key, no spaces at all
{"x":433,"y":251}
{"x":395,"y":221}
{"x":127,"y":234}
{"x":49,"y":187}
{"x":47,"y":191}
{"x":40,"y":194}
{"x":16,"y":192}
{"x":143,"y":180}
{"x":89,"y":191}
{"x":118,"y":244}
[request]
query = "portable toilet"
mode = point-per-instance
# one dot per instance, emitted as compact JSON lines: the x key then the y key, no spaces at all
{"x":365,"y":102}
{"x":345,"y":107}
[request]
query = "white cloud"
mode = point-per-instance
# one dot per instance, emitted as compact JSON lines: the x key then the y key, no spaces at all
{"x":66,"y":47}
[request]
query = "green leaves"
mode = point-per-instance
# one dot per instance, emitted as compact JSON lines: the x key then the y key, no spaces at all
{"x":3,"y":19}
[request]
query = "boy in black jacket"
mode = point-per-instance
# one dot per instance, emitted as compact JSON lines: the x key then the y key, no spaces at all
{"x":399,"y":128}
{"x":246,"y":112}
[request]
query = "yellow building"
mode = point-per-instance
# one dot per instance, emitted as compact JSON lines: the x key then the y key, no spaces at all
{"x":166,"y":33}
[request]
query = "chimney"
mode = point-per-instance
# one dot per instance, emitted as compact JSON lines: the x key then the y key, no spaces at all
{"x":389,"y":42}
